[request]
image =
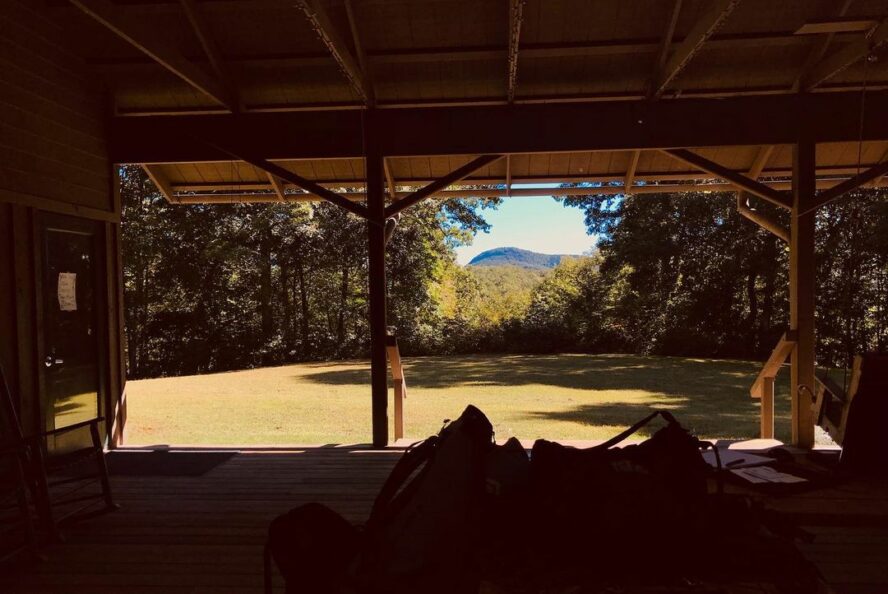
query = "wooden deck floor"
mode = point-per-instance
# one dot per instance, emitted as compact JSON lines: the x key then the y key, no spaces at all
{"x":204,"y":534}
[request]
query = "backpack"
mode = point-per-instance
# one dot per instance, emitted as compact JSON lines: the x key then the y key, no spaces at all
{"x":422,"y":535}
{"x":424,"y":528}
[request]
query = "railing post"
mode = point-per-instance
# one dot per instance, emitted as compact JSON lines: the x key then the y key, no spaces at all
{"x":394,"y":355}
{"x":767,"y":408}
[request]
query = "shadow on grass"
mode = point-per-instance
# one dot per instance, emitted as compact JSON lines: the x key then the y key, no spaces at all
{"x":709,"y":397}
{"x":669,"y":376}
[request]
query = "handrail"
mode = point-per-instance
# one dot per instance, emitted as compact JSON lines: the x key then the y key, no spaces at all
{"x":763,"y":387}
{"x":394,"y":357}
{"x":772,"y":366}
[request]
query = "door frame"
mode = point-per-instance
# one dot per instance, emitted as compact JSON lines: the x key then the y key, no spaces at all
{"x":46,"y":221}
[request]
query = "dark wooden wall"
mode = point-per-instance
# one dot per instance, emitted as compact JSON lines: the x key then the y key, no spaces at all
{"x":53,"y":158}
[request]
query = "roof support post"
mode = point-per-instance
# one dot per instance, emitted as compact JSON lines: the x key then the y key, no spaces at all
{"x":801,"y":291}
{"x":377,"y":282}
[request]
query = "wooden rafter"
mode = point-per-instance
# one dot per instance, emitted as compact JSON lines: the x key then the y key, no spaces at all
{"x":761,"y":219}
{"x":295,"y":179}
{"x":278,"y":187}
{"x":703,"y":29}
{"x":131,"y":30}
{"x":821,"y":44}
{"x":390,"y":179}
{"x":845,"y":57}
{"x":323,"y":27}
{"x":629,"y":180}
{"x":837,"y":191}
{"x":161,"y":182}
{"x":516,"y":16}
{"x":665,"y":46}
{"x":363,"y":63}
{"x":760,"y":161}
{"x":740,"y":180}
{"x":439,"y":184}
{"x":208,"y":43}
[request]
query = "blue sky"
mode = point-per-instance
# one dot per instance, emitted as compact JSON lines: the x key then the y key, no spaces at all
{"x":536,"y":223}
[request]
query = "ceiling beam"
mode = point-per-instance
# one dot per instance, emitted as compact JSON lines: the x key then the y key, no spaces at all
{"x":827,"y":175}
{"x":131,"y":30}
{"x":424,"y":55}
{"x":439,"y":184}
{"x":629,"y":180}
{"x":493,"y":192}
{"x":502,"y":129}
{"x":703,"y":29}
{"x":208,"y":43}
{"x":161,"y":182}
{"x":845,"y":57}
{"x":323,"y":27}
{"x":740,"y":180}
{"x":516,"y":16}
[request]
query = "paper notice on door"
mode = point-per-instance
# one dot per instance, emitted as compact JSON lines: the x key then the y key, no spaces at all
{"x":67,"y":291}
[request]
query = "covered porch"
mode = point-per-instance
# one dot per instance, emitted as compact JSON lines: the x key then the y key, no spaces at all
{"x":375,"y":106}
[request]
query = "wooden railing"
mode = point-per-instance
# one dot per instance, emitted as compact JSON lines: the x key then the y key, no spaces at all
{"x":763,"y":387}
{"x":394,"y":357}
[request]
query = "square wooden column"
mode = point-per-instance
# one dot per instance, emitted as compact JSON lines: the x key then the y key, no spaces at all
{"x":377,"y":282}
{"x":801,"y":291}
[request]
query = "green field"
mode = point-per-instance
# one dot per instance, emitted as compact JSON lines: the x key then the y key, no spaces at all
{"x":528,"y":396}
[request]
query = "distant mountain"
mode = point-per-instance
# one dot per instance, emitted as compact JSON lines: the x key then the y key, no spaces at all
{"x":512,"y":256}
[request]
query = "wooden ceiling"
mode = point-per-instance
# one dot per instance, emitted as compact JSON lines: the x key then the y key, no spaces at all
{"x":217,"y":56}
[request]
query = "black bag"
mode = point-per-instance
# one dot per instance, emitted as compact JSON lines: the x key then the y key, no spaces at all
{"x":312,"y":547}
{"x":610,"y":511}
{"x":423,"y":532}
{"x":865,"y":449}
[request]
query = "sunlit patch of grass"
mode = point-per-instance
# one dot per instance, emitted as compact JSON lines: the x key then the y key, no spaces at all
{"x":528,"y":396}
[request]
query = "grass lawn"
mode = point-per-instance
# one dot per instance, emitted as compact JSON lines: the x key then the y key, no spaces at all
{"x":528,"y":396}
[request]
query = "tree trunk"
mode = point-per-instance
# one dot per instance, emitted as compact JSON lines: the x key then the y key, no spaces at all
{"x":265,"y":287}
{"x":343,"y":307}
{"x":304,"y":321}
{"x":288,"y":304}
{"x":752,"y":297}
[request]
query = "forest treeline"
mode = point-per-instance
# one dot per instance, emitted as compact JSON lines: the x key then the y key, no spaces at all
{"x":218,"y":287}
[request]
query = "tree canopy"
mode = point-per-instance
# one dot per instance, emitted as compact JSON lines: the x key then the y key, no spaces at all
{"x":216,"y":287}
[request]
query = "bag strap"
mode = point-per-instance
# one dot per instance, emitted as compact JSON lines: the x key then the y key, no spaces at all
{"x":634,"y":428}
{"x":413,"y":458}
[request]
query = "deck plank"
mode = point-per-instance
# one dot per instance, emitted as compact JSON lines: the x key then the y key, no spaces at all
{"x":204,"y":534}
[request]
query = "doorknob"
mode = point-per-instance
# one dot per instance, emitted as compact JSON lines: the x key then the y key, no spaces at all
{"x":50,"y":361}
